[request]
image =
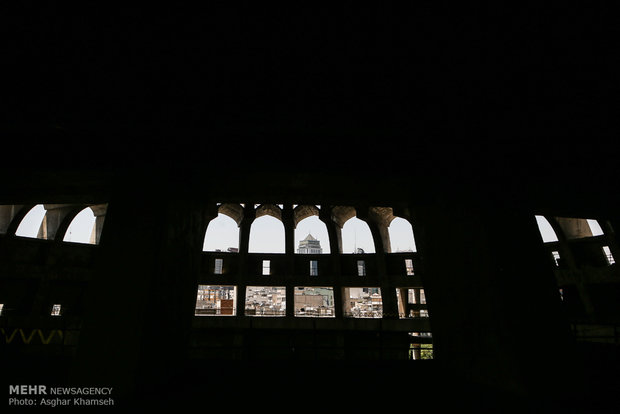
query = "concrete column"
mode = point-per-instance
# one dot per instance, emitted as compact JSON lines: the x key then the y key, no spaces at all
{"x":17,"y":217}
{"x":380,"y":236}
{"x":55,"y":215}
{"x":566,"y":253}
{"x":249,"y":214}
{"x":565,"y":228}
{"x":135,"y":334}
{"x":99,"y":211}
{"x":335,"y":246}
{"x":487,"y":262}
{"x":290,"y":301}
{"x":289,"y":229}
{"x":333,"y":230}
{"x":403,"y":306}
{"x":289,"y":244}
{"x":574,"y":228}
{"x":7,"y":213}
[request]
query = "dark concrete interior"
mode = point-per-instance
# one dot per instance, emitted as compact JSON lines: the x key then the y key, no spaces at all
{"x":467,"y":119}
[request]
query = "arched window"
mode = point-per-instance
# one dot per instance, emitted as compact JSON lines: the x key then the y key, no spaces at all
{"x":401,"y":236}
{"x":82,"y":228}
{"x":31,"y":223}
{"x":595,"y":227}
{"x":546,"y":231}
{"x":266,"y":235}
{"x":222,"y":235}
{"x":311,"y":236}
{"x":356,"y":237}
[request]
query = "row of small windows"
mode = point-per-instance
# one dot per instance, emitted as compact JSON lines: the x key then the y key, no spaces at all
{"x":55,"y":310}
{"x":44,"y":221}
{"x":267,"y":235}
{"x":358,"y":302}
{"x":218,"y":267}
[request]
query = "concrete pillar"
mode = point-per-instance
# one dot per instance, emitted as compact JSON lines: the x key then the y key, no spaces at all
{"x":403,"y":306}
{"x":249,"y":214}
{"x":55,"y":215}
{"x":333,"y":230}
{"x":7,"y":213}
{"x":574,"y":228}
{"x":99,"y":211}
{"x":335,"y":247}
{"x":345,"y":301}
{"x":566,"y":229}
{"x":289,"y":229}
{"x":380,"y":236}
{"x":492,"y":297}
{"x":135,"y":334}
{"x":289,"y":243}
{"x":290,"y":301}
{"x":17,"y":217}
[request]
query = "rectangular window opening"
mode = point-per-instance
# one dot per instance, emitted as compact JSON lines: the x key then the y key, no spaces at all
{"x":409,"y":267}
{"x":265,"y":301}
{"x":218,"y":267}
{"x":266,"y":267}
{"x":411,"y":303}
{"x":363,"y":302}
{"x":361,"y":268}
{"x":608,"y":256}
{"x":216,"y":300}
{"x":317,"y":302}
{"x":421,"y":346}
{"x":55,"y":310}
{"x":314,"y":268}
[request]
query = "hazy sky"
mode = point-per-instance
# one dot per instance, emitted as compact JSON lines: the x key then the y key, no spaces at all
{"x":79,"y":230}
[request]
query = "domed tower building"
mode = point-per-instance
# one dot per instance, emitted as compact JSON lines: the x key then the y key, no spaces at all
{"x":309,"y":245}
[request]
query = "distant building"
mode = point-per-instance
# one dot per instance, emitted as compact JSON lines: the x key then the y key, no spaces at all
{"x":309,"y":245}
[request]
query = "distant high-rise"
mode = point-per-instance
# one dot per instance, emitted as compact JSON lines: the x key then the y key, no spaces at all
{"x":309,"y":245}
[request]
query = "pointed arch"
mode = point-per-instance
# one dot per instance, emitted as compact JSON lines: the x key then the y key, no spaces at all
{"x":222,"y":233}
{"x":357,"y":237}
{"x":546,"y":230}
{"x":402,"y":238}
{"x":82,"y":228}
{"x":312,"y":226}
{"x":595,"y":227}
{"x":267,"y":235}
{"x":31,"y":224}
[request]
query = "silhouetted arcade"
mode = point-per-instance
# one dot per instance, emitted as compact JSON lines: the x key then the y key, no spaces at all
{"x":148,"y":153}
